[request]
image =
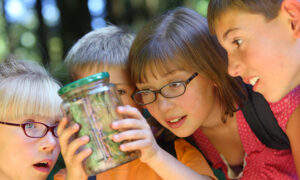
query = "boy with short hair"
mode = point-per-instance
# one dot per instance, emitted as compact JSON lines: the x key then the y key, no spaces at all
{"x":262,"y":40}
{"x":106,"y":49}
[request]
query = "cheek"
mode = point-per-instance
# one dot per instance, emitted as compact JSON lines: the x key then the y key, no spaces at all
{"x":153,"y":110}
{"x":10,"y":152}
{"x":199,"y":101}
{"x":127,"y":100}
{"x":261,"y":53}
{"x":57,"y":151}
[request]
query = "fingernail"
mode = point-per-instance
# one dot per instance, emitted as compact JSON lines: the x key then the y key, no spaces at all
{"x":121,"y":108}
{"x":122,"y":147}
{"x":114,"y":124}
{"x":115,"y":137}
{"x":75,"y":126}
{"x":85,"y":138}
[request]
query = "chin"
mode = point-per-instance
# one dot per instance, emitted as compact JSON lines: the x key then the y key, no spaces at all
{"x":182,"y":134}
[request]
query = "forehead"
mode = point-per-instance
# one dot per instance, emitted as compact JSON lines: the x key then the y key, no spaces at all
{"x":158,"y":69}
{"x":236,"y":19}
{"x":35,"y":118}
{"x":161,"y":75}
{"x":117,"y":75}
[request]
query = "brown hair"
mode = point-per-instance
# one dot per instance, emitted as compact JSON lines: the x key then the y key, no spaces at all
{"x":268,"y":8}
{"x":181,"y":37}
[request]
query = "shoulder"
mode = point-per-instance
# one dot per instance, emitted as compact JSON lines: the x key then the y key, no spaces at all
{"x":192,"y":157}
{"x":285,"y":108}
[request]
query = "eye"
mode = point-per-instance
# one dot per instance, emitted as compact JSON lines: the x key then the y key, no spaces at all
{"x":174,"y":84}
{"x":121,"y":92}
{"x":146,"y":93}
{"x":29,"y":125}
{"x":237,"y":42}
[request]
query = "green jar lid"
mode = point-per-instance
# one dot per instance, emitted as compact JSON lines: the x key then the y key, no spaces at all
{"x":81,"y":82}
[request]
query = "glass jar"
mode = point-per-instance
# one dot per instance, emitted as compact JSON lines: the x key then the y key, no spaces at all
{"x":91,"y":102}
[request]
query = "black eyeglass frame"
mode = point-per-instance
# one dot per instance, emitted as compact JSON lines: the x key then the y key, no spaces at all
{"x":185,"y":83}
{"x":22,"y":125}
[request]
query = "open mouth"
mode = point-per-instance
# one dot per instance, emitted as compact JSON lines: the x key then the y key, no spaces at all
{"x":42,"y":166}
{"x":175,"y":120}
{"x":175,"y":123}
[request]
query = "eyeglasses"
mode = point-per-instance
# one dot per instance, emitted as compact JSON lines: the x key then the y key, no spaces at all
{"x":171,"y":90}
{"x":35,"y":129}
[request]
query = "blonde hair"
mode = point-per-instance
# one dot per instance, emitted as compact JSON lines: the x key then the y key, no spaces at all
{"x":26,"y":88}
{"x":108,"y":46}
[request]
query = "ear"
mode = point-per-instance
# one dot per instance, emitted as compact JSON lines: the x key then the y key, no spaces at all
{"x":292,"y":8}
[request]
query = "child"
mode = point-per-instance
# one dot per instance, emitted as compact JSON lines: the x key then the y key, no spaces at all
{"x":106,"y":49}
{"x":262,"y":39}
{"x":181,"y":76}
{"x":29,"y":115}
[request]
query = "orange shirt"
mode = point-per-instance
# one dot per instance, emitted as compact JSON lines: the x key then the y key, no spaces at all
{"x":136,"y":170}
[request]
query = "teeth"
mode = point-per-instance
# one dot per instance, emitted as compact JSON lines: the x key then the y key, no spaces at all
{"x":175,"y":120}
{"x":254,"y":80}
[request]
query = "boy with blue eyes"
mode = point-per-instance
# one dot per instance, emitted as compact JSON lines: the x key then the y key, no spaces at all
{"x":262,"y":40}
{"x":29,"y":115}
{"x":106,"y":49}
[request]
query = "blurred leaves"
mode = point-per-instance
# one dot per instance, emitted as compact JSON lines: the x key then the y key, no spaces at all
{"x":44,"y":30}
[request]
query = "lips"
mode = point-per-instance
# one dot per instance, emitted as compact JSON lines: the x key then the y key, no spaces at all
{"x":176,"y":122}
{"x":43,"y":166}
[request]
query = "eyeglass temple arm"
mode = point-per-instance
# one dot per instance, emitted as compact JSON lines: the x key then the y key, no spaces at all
{"x":191,"y":78}
{"x":12,"y":124}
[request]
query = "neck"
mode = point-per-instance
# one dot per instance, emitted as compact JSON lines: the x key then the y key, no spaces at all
{"x":298,"y":75}
{"x":214,"y":118}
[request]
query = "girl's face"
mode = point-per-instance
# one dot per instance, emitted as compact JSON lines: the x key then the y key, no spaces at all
{"x":184,"y":114}
{"x":23,"y":157}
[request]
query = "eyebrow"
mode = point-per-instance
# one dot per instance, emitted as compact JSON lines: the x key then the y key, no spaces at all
{"x":229,"y":31}
{"x":167,"y":74}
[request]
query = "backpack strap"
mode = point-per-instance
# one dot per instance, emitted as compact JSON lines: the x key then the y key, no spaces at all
{"x":262,"y":121}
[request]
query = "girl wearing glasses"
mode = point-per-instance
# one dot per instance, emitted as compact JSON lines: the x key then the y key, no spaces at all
{"x":180,"y":71}
{"x":29,"y":115}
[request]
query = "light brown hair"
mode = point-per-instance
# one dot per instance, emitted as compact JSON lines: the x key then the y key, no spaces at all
{"x":107,"y":46}
{"x":268,"y":8}
{"x":181,"y":37}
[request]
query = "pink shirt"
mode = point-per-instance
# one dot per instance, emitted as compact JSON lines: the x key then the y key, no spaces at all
{"x":261,"y":161}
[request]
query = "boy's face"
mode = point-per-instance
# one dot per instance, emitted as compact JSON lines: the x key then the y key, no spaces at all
{"x":265,"y":54}
{"x":21,"y":155}
{"x":119,"y":77}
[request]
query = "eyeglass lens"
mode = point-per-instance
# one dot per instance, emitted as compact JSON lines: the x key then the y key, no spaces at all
{"x":38,"y":129}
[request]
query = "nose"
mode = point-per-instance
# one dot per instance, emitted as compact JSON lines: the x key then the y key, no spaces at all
{"x":164,"y":104}
{"x":234,"y":66}
{"x":48,"y":143}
